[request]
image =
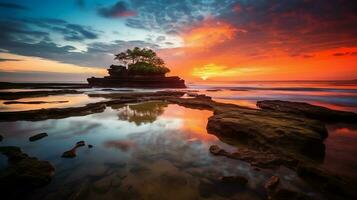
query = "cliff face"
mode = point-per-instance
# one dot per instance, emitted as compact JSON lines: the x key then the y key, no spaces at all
{"x":119,"y":76}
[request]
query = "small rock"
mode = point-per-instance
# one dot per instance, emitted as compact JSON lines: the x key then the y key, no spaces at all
{"x":90,"y":146}
{"x":239,"y":180}
{"x":80,"y":143}
{"x":216,"y":150}
{"x":69,"y":154}
{"x":38,"y":136}
{"x":272,"y":183}
{"x":72,"y":153}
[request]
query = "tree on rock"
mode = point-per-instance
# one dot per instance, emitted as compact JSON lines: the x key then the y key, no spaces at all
{"x":142,"y":61}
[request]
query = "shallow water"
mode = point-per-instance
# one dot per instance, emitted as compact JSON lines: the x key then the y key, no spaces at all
{"x":54,"y":101}
{"x":155,"y":150}
{"x":335,"y":95}
{"x":341,"y":150}
{"x":151,"y":150}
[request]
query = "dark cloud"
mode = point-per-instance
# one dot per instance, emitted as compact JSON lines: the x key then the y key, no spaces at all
{"x":294,"y":26}
{"x":70,"y":32}
{"x":341,"y":54}
{"x":120,"y":9}
{"x":345,"y":54}
{"x":8,"y":59}
{"x":74,"y":32}
{"x":172,"y":16}
{"x":13,"y":6}
{"x":18,"y":37}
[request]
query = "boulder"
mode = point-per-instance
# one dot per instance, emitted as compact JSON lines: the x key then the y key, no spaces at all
{"x":23,"y":173}
{"x":308,"y":110}
{"x":38,"y":136}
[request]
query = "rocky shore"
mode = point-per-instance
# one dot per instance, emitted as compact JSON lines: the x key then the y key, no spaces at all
{"x":31,"y":94}
{"x":289,"y":134}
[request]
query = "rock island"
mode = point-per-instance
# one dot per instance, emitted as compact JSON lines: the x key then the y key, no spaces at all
{"x":140,"y":68}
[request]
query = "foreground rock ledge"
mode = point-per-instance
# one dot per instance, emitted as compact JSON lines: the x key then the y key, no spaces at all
{"x":23,"y":173}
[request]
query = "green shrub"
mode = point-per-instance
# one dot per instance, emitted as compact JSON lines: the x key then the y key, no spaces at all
{"x":143,"y":68}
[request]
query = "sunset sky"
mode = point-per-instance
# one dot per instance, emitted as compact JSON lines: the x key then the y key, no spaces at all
{"x":200,"y":40}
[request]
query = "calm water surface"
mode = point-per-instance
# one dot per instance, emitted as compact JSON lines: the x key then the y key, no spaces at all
{"x":151,"y":150}
{"x":155,"y":150}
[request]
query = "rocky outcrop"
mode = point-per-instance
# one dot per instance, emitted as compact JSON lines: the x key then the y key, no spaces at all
{"x":120,"y":77}
{"x":31,"y":94}
{"x":23,"y":173}
{"x":140,"y":95}
{"x":308,"y":110}
{"x":265,"y":130}
{"x":59,"y":113}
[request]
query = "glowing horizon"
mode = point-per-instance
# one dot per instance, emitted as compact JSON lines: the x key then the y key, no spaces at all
{"x":200,"y":41}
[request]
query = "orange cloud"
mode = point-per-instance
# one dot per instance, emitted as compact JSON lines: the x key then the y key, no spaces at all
{"x":209,"y":33}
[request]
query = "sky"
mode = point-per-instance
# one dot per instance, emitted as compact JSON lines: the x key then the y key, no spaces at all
{"x":200,"y":40}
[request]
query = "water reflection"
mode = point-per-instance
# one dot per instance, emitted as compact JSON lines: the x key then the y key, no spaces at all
{"x":341,"y":150}
{"x":162,"y":154}
{"x":335,"y":95}
{"x":146,"y":112}
{"x":55,"y":101}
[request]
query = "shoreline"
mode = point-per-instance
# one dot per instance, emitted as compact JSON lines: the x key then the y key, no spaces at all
{"x":233,"y":124}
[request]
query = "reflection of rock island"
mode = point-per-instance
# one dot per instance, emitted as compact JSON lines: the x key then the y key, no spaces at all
{"x":146,"y":112}
{"x":140,"y":68}
{"x":119,"y":76}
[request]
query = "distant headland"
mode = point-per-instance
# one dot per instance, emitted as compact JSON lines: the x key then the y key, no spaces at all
{"x":140,"y":67}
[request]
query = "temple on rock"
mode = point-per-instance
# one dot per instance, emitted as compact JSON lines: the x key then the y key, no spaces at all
{"x":141,"y":68}
{"x":120,"y":76}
